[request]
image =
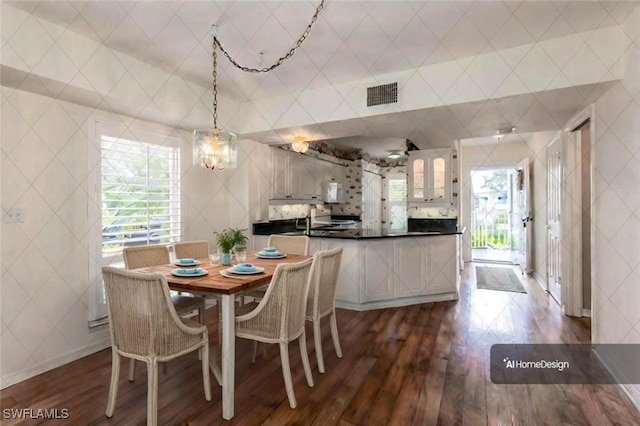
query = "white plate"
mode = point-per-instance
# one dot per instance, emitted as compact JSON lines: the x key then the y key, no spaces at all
{"x":202,"y":272}
{"x":257,"y":271}
{"x":195,"y":263}
{"x":266,"y":256}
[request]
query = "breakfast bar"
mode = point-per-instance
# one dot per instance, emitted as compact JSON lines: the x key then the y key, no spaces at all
{"x":388,"y":268}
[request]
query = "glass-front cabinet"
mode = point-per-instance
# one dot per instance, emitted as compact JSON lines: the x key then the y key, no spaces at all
{"x":429,"y":176}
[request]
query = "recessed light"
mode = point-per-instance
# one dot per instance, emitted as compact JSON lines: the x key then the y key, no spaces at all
{"x":505,"y":130}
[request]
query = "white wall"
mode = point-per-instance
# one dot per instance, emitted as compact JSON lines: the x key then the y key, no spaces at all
{"x":616,"y":206}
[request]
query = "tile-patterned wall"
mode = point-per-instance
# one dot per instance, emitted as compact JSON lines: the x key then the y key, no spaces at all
{"x":293,"y":211}
{"x":352,"y":188}
{"x":616,"y":207}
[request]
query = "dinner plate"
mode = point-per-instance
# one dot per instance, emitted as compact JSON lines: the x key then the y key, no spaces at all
{"x":195,"y":263}
{"x":177,"y":273}
{"x":268,"y":256}
{"x":256,"y":271}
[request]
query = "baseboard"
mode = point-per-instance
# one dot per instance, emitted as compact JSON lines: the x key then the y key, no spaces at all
{"x":634,"y":400}
{"x":406,"y":301}
{"x":539,"y":280}
{"x":50,"y":364}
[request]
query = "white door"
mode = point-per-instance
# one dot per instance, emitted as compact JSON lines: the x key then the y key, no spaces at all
{"x":522,"y":216}
{"x":554,"y":192}
{"x":371,"y":200}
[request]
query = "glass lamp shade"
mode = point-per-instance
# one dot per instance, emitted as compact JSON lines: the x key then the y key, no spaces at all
{"x":214,"y":151}
{"x":300,"y":144}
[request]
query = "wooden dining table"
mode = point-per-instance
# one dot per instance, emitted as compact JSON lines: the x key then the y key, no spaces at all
{"x":227,"y":287}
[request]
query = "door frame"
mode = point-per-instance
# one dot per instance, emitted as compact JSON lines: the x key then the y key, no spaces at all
{"x":571,"y":231}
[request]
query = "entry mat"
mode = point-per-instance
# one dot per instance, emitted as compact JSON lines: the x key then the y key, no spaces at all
{"x":497,"y":278}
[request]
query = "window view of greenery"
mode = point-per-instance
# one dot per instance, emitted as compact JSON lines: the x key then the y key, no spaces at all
{"x":140,"y":194}
{"x":493,"y":221}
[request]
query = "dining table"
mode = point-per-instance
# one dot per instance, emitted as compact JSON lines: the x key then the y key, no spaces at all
{"x":227,"y":286}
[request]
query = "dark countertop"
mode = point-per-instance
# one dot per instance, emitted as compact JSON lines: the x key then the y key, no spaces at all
{"x":362,"y":234}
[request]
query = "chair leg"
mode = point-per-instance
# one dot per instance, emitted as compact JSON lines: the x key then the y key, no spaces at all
{"x":305,"y":358}
{"x":132,"y":369}
{"x":317,"y":338}
{"x":334,"y":334}
{"x":286,"y":374}
{"x":113,"y":387}
{"x":255,"y":351}
{"x":152,"y":393}
{"x":205,"y":372}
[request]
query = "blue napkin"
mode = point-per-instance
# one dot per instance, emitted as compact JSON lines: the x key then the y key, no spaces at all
{"x":186,"y":260}
{"x":244,"y":267}
{"x":269,"y":249}
{"x":189,"y":271}
{"x":274,"y":253}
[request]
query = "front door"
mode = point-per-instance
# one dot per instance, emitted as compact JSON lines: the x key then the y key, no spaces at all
{"x":522,"y":216}
{"x":554,"y":191}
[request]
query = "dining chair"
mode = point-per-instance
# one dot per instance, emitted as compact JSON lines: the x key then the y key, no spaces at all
{"x":321,"y":301}
{"x":144,"y":326}
{"x":198,"y":250}
{"x":280,"y":318}
{"x":291,"y":244}
{"x":154,"y":255}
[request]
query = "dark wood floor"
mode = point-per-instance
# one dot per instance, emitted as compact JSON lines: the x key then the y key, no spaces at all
{"x":423,"y":364}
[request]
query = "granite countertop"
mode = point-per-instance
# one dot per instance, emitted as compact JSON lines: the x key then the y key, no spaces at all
{"x":361,"y":234}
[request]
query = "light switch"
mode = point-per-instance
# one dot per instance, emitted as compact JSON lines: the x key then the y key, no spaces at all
{"x":19,"y":215}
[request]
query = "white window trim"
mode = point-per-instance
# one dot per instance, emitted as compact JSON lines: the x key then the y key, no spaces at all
{"x":97,"y":309}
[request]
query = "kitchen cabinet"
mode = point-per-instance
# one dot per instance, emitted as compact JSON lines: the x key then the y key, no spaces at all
{"x":442,"y":266}
{"x":377,"y":271}
{"x":410,"y":275}
{"x":293,"y":175}
{"x":429,"y":176}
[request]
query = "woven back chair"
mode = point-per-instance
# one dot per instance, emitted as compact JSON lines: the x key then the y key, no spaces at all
{"x":280,"y":317}
{"x":154,"y":255}
{"x":144,"y":326}
{"x":192,"y":249}
{"x":292,"y":244}
{"x":322,"y":293}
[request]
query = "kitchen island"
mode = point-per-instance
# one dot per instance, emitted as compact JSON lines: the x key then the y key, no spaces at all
{"x":386,"y":268}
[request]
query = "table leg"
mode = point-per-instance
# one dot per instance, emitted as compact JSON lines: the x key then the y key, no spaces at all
{"x":228,"y":355}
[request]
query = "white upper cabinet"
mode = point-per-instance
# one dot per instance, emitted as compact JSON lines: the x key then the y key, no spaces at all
{"x":294,"y":175}
{"x":429,"y":176}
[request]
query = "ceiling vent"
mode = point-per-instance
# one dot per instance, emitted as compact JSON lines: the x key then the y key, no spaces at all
{"x":383,"y":94}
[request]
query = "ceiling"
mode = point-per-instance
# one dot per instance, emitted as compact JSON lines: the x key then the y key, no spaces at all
{"x":350,"y":40}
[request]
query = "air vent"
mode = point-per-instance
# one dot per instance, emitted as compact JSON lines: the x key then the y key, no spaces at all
{"x":383,"y":94}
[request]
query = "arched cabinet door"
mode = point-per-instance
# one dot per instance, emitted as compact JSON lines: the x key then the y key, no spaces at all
{"x":429,"y":176}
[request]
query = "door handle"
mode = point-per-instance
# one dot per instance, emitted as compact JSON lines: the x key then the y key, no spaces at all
{"x":548,"y":226}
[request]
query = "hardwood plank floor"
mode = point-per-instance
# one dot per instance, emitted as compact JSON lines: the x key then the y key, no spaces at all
{"x":423,"y":364}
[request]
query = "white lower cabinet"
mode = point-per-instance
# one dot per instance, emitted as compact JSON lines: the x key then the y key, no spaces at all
{"x":389,"y":272}
{"x":410,"y":269}
{"x":377,"y":270}
{"x":442,"y":266}
{"x":260,"y":241}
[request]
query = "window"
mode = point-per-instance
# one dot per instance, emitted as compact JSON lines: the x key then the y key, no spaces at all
{"x":140,"y":193}
{"x":397,"y":206}
{"x":136,"y":201}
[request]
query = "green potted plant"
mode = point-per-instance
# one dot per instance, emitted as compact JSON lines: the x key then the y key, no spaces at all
{"x":228,"y":240}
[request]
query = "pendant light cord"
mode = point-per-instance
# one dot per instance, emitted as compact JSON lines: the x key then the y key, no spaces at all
{"x":279,"y":62}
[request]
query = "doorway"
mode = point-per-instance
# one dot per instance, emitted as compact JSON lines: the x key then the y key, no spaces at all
{"x":495,"y":215}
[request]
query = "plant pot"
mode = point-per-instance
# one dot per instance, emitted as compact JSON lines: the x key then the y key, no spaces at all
{"x":225,"y":258}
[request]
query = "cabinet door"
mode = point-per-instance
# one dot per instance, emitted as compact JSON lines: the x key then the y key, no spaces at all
{"x":439,"y":179}
{"x":417,"y":176}
{"x":280,"y":173}
{"x":377,"y":281}
{"x":441,"y":264}
{"x":348,"y":287}
{"x":260,"y":241}
{"x":409,"y":271}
